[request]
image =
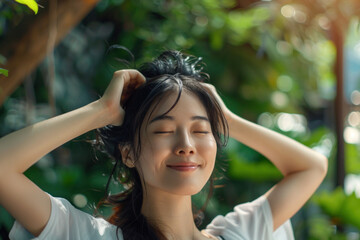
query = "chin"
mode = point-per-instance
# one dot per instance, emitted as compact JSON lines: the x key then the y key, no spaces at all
{"x":186,"y":190}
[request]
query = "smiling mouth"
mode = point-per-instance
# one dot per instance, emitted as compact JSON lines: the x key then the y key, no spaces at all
{"x":184,"y":167}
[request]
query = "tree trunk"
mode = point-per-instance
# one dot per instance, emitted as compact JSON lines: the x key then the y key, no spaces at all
{"x":338,"y":34}
{"x":27,"y":45}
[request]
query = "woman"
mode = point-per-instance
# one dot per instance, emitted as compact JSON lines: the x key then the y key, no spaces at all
{"x":164,"y":136}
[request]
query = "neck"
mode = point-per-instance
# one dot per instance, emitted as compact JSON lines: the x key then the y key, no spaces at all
{"x":171,"y":213}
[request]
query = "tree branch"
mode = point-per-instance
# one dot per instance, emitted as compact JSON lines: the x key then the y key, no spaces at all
{"x":25,"y":51}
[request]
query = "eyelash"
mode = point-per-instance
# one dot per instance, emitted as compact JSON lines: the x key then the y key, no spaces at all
{"x":165,"y":132}
{"x":162,"y":132}
{"x":202,"y":132}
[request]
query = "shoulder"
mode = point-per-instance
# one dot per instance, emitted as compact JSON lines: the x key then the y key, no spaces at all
{"x":68,"y":222}
{"x":252,"y":220}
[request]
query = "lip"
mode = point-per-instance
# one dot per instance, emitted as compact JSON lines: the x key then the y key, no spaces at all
{"x":184,"y":166}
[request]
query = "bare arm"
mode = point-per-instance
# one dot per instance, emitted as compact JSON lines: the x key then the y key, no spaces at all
{"x":303,"y":168}
{"x":18,"y":151}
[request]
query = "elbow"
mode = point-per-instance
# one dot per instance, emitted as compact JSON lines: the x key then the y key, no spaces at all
{"x":322,"y":165}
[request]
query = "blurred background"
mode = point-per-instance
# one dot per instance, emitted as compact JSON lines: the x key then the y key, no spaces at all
{"x":292,"y":66}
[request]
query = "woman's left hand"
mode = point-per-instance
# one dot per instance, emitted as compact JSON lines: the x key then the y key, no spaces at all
{"x":212,"y":90}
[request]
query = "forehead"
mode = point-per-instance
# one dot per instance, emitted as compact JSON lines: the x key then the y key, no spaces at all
{"x":188,"y":105}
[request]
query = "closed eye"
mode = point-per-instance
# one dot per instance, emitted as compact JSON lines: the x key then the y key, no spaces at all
{"x":201,"y":132}
{"x":163,"y":132}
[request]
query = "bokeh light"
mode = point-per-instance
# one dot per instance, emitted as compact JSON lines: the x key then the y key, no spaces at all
{"x":325,"y":145}
{"x":352,"y":184}
{"x":291,"y":122}
{"x":284,"y":83}
{"x":300,"y":16}
{"x":80,"y":200}
{"x":354,"y":119}
{"x":352,"y":135}
{"x":288,"y":11}
{"x":266,"y":119}
{"x":323,"y":22}
{"x":284,"y":48}
{"x":279,"y":99}
{"x":355,"y":97}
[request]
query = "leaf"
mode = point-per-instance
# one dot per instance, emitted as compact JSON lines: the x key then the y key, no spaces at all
{"x":331,"y":202}
{"x":32,"y":4}
{"x":344,"y":208}
{"x":352,"y":159}
{"x":260,"y":171}
{"x":4,"y":72}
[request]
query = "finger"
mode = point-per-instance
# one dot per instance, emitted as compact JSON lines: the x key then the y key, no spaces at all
{"x":116,"y":84}
{"x":210,"y":88}
{"x":132,"y":80}
{"x":123,"y":77}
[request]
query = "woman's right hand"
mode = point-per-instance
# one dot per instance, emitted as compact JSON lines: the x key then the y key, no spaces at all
{"x":25,"y":201}
{"x":122,"y":85}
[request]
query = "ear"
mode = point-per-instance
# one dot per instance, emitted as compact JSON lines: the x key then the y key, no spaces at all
{"x":127,"y":156}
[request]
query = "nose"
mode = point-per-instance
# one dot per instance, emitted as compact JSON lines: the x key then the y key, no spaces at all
{"x":184,"y":145}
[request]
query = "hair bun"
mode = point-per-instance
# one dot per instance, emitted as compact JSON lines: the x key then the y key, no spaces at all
{"x":174,"y":62}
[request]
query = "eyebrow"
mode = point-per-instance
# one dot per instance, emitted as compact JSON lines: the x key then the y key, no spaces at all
{"x":171,"y":118}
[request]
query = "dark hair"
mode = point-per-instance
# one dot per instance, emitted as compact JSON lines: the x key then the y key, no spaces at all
{"x":171,"y":71}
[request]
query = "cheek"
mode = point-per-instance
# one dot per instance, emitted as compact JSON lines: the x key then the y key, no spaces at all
{"x":208,"y":149}
{"x":152,"y":153}
{"x":158,"y":149}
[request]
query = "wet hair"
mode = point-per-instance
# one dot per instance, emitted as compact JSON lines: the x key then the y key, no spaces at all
{"x":171,"y":72}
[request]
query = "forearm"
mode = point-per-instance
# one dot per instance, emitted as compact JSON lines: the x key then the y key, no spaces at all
{"x":287,"y":155}
{"x":21,"y":149}
{"x":303,"y":168}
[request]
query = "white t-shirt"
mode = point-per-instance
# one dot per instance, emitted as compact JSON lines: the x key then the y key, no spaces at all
{"x":249,"y":221}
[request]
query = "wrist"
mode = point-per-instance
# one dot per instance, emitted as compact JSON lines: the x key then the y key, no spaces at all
{"x":99,"y":113}
{"x":107,"y":113}
{"x":230,"y":116}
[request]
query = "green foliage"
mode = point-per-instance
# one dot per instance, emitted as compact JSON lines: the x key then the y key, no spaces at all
{"x":240,"y":169}
{"x":344,"y":209}
{"x":261,"y":63}
{"x":32,"y":4}
{"x":352,"y":159}
{"x":4,"y":72}
{"x":322,"y":229}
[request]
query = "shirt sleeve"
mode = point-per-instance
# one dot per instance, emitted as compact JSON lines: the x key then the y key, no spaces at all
{"x":250,"y":221}
{"x":66,"y":222}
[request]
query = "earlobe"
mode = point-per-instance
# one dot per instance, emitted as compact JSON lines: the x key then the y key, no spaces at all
{"x":126,"y":156}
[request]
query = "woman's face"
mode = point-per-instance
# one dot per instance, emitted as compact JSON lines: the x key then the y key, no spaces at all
{"x":178,"y":150}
